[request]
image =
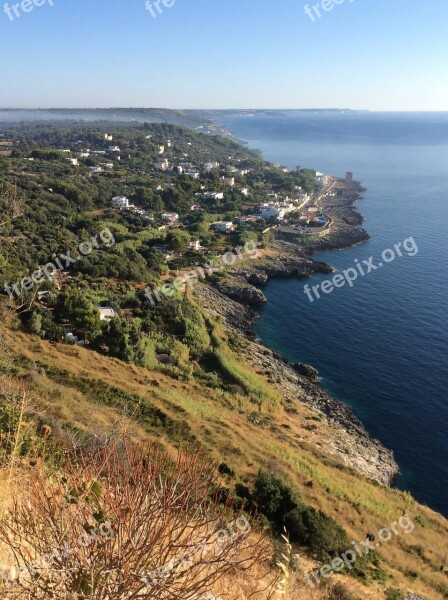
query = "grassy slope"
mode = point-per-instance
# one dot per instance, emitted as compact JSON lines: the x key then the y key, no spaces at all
{"x":80,"y":391}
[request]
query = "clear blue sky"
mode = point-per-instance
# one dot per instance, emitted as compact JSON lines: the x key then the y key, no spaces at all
{"x":364,"y":54}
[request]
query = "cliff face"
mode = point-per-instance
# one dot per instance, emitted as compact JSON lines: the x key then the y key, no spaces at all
{"x":241,"y":291}
{"x":349,"y":442}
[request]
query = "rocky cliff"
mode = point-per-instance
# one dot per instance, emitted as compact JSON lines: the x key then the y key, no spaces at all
{"x":349,"y":441}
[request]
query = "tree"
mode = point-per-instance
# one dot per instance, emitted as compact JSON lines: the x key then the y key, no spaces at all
{"x":116,"y":337}
{"x":11,"y":205}
{"x":74,"y":306}
{"x":178,"y":240}
{"x":154,"y":259}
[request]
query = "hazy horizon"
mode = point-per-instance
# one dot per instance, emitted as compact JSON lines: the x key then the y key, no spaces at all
{"x":206,"y":109}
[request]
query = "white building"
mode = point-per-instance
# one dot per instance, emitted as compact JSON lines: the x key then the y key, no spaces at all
{"x":170,"y":217}
{"x":195,"y":245}
{"x":223,"y":226}
{"x":207,"y":167}
{"x":287,"y":206}
{"x":228,"y":181}
{"x":192,"y":175}
{"x":162,"y":165}
{"x":106,"y":313}
{"x":271,"y":211}
{"x":96,"y":169}
{"x":320,"y":179}
{"x":121,"y":202}
{"x":108,"y":137}
{"x":140,"y":212}
{"x":210,"y":195}
{"x":244,"y":191}
{"x":114,"y":149}
{"x":313,"y":210}
{"x":247,"y":221}
{"x":73,"y":161}
{"x":168,"y":254}
{"x":276,"y":210}
{"x":160,"y":149}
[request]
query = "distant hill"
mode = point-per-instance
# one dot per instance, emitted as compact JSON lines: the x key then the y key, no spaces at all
{"x":190,"y":119}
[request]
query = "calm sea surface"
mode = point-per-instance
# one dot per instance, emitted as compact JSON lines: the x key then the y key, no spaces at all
{"x":381,"y":346}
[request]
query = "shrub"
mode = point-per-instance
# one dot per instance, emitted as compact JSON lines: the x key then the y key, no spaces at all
{"x":284,"y":508}
{"x":274,"y":498}
{"x":317,"y":531}
{"x":421,"y":520}
{"x":394,"y":594}
{"x":339,"y":592}
{"x":224,"y":469}
{"x":127,"y":523}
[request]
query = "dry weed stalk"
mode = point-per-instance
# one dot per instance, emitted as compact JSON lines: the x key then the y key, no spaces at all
{"x":156,"y":510}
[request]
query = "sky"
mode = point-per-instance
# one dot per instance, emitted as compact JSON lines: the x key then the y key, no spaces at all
{"x":383,"y":55}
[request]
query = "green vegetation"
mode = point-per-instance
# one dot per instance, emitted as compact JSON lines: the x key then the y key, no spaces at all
{"x":394,"y":594}
{"x":320,"y":534}
{"x":168,"y":371}
{"x":252,"y":385}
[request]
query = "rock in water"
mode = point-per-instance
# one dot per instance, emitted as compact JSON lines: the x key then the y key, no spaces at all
{"x":307,"y":371}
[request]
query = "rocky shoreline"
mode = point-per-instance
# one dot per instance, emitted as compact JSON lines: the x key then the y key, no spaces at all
{"x":292,"y":252}
{"x":232,"y":297}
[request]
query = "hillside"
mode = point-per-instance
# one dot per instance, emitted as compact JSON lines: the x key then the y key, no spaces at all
{"x":90,"y":356}
{"x":82,"y":394}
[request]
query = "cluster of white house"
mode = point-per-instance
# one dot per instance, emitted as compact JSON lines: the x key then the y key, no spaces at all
{"x":190,"y":170}
{"x":112,"y":151}
{"x":162,"y":164}
{"x":186,"y":168}
{"x":123,"y":203}
{"x":278,"y":208}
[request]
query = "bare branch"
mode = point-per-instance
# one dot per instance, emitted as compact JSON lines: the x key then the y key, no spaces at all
{"x":130,"y":524}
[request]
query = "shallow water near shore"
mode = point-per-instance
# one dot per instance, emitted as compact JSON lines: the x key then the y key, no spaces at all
{"x":382,"y":345}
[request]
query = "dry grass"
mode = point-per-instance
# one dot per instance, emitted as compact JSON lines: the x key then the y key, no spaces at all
{"x":126,"y":522}
{"x":279,"y":443}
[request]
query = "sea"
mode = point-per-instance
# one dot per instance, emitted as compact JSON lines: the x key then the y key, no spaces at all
{"x":381,"y":346}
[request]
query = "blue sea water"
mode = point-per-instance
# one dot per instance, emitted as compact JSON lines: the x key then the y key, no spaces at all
{"x":381,"y":346}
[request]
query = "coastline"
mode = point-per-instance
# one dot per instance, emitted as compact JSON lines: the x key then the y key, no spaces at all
{"x":291,"y":257}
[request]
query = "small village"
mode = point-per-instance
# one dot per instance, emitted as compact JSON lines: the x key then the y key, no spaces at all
{"x":186,"y":201}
